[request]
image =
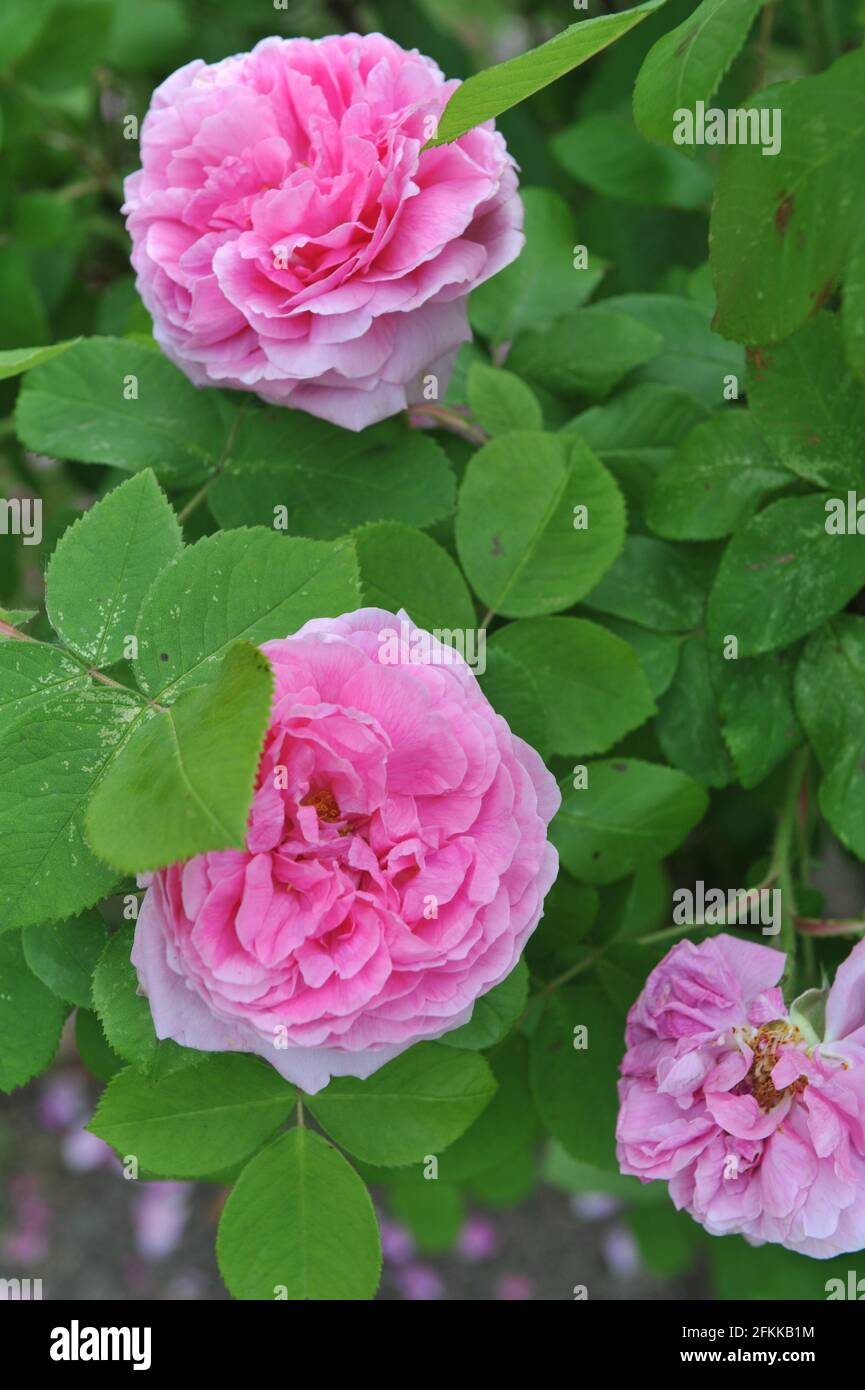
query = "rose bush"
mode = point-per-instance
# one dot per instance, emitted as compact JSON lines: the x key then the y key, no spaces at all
{"x":292,"y":237}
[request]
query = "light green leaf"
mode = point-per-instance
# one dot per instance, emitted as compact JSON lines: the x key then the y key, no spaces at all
{"x":299,"y":1224}
{"x":593,"y":690}
{"x":32,"y":674}
{"x":184,"y":782}
{"x":63,"y":955}
{"x":689,"y":62}
{"x":415,"y":1105}
{"x":47,"y":773}
{"x":543,"y":282}
{"x":719,"y":476}
{"x":195,"y":1121}
{"x":31,"y":1017}
{"x":21,"y":23}
{"x":249,"y":584}
{"x":501,"y":401}
{"x":516,"y":527}
{"x":513,"y":692}
{"x":782,"y":575}
{"x":629,"y":814}
{"x":497,"y":89}
{"x":110,"y":400}
{"x":401,"y":567}
{"x":17,"y":360}
{"x":104,"y":565}
{"x":657,"y":652}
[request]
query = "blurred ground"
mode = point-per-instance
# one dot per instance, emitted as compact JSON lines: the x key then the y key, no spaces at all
{"x":69,"y":1217}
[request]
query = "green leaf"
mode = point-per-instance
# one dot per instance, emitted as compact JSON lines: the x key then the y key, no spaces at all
{"x":245,"y":584}
{"x":81,"y":406}
{"x":743,"y":1271}
{"x":195,"y":1121}
{"x":635,"y":434}
{"x":501,"y":402}
{"x":543,"y":282}
{"x":719,"y":476}
{"x":759,"y":724}
{"x":415,"y":1105}
{"x":652,"y":584}
{"x":401,"y":567}
{"x":809,"y":406}
{"x":593,"y":690}
{"x":606,"y":151}
{"x":562,"y":1171}
{"x":688,"y":725}
{"x":586,"y":352}
{"x":33,"y":674}
{"x":853,"y":308}
{"x":508,"y":1124}
{"x":773,"y":267}
{"x":125,"y":1014}
{"x":93,"y":1049}
{"x":667,"y":1238}
{"x":493,"y":1013}
{"x":516,"y":527}
{"x":575,"y":1086}
{"x":513,"y":692}
{"x":329,"y":480}
{"x":68,"y":49}
{"x":497,"y":89}
{"x":187,"y":775}
{"x":692,"y":356}
{"x":104,"y":565}
{"x":63,"y":955}
{"x":689,"y":62}
{"x":299,"y":1224}
{"x":834,"y":661}
{"x":782,"y":575}
{"x":50,"y":762}
{"x":657,"y":652}
{"x":17,"y":360}
{"x":31,"y":1018}
{"x":629,"y":814}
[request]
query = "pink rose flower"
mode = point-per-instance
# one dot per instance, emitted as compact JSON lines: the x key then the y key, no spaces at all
{"x":396,"y":862}
{"x":753,"y":1115}
{"x":291,"y":239}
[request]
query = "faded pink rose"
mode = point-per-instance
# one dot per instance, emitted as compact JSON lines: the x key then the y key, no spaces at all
{"x":396,"y":862}
{"x":291,"y":239}
{"x":753,"y":1115}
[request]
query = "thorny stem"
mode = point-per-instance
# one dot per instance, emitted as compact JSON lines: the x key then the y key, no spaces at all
{"x":450,"y":419}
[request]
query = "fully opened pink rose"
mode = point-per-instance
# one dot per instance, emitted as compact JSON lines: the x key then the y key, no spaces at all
{"x":291,"y":239}
{"x":396,"y":862}
{"x":753,"y":1115}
